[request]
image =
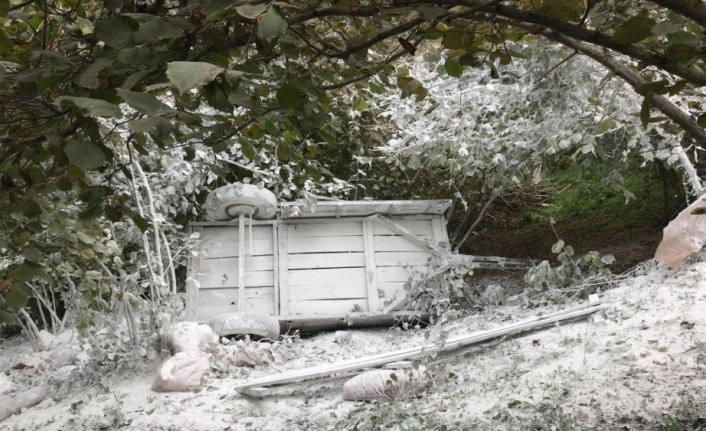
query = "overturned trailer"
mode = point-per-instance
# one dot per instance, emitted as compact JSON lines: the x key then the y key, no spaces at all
{"x":335,"y":264}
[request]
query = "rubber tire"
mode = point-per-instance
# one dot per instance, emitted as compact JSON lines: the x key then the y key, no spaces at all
{"x":245,"y":324}
{"x":261,"y":202}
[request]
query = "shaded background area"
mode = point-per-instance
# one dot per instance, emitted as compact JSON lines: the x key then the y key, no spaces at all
{"x":588,"y":214}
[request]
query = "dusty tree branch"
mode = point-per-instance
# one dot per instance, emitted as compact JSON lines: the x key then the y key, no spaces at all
{"x":635,"y":80}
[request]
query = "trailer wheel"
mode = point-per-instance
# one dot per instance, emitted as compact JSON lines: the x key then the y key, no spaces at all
{"x":228,"y":202}
{"x":245,"y":324}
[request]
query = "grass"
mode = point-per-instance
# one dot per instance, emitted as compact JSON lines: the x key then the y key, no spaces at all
{"x":585,"y":193}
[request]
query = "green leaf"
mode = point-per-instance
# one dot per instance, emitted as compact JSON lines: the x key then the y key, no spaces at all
{"x":23,"y":272}
{"x":112,"y":214}
{"x":90,"y":213}
{"x":8,"y":318}
{"x":90,"y":107}
{"x":659,"y":87}
{"x":453,"y":68}
{"x":283,"y":152}
{"x":6,"y":43}
{"x":93,"y":194}
{"x":32,"y":254}
{"x":23,"y":238}
{"x":137,"y":56}
{"x":84,"y":154}
{"x":271,"y":25}
{"x":457,"y":38}
{"x":645,"y":109}
{"x":157,"y":125}
{"x":635,"y":29}
{"x":157,"y":29}
{"x":140,"y":222}
{"x":248,"y":150}
{"x":144,"y":102}
{"x":115,"y":32}
{"x":135,"y":78}
{"x":90,"y":77}
{"x":17,"y":296}
{"x":289,"y":96}
{"x":64,"y":184}
{"x":251,"y":11}
{"x":4,"y":7}
{"x":430,"y":12}
{"x":702,"y":120}
{"x":215,"y":6}
{"x":186,"y":75}
{"x":36,"y":173}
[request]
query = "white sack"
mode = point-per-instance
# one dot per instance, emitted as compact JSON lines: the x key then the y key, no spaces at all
{"x":342,"y":337}
{"x":684,"y":235}
{"x":62,"y":356}
{"x":188,"y":337}
{"x":6,"y":385}
{"x":181,"y":373}
{"x":12,"y":404}
{"x":46,"y":340}
{"x":376,"y":385}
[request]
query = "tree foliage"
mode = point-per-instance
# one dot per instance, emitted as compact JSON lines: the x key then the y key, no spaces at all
{"x":100,"y":99}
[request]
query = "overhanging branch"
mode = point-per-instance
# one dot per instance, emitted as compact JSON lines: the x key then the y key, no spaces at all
{"x":635,"y":80}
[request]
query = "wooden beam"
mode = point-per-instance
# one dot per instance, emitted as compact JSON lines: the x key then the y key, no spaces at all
{"x":360,"y":364}
{"x":275,"y":266}
{"x":192,"y":283}
{"x":283,"y":267}
{"x":370,"y":266}
{"x":421,"y":242}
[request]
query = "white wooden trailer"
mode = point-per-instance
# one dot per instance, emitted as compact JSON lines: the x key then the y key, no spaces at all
{"x":336,"y":264}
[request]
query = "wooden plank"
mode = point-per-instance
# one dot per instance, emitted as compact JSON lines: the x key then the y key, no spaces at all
{"x":401,"y":258}
{"x":192,"y":282}
{"x":424,"y":243}
{"x":327,"y":291}
{"x":231,"y":233}
{"x":333,"y":307}
{"x":392,"y":290}
{"x":231,"y":294}
{"x":370,"y":268}
{"x":219,"y":301}
{"x":396,"y":243}
{"x":341,"y":278}
{"x":326,"y":260}
{"x":283,"y":268}
{"x":327,"y":229}
{"x":363,"y":208}
{"x":439,"y":233}
{"x":421,"y":228}
{"x":231,"y":223}
{"x":252,"y":305}
{"x":228,"y":277}
{"x":318,"y":220}
{"x":252,"y":263}
{"x":372,"y":361}
{"x":396,"y":273}
{"x":326,"y":244}
{"x":229,"y":248}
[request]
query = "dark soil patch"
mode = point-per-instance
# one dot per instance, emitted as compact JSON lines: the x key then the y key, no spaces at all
{"x":630,"y":246}
{"x":588,"y":213}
